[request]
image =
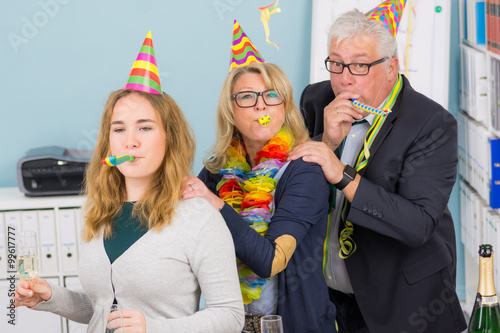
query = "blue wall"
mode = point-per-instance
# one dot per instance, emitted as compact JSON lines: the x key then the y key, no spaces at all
{"x":454,"y":108}
{"x":61,"y":59}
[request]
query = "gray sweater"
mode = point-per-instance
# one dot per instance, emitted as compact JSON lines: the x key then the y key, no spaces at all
{"x":161,"y":275}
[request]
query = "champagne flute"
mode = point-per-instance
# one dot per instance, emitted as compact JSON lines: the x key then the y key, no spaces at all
{"x":119,"y":320}
{"x":27,"y":255}
{"x":271,"y":324}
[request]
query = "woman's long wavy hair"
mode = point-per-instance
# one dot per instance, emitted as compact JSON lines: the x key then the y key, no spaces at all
{"x":274,"y":78}
{"x":105,"y":186}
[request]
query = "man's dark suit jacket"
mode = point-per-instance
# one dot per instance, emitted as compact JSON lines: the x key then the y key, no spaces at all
{"x":403,"y":271}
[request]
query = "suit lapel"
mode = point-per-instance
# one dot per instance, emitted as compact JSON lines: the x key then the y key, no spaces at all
{"x":387,"y":126}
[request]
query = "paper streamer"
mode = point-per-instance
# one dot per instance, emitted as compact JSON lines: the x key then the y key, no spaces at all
{"x":370,"y":109}
{"x":116,"y":160}
{"x":265,"y":15}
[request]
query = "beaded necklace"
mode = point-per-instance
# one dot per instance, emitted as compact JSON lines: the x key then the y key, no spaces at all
{"x":250,"y":191}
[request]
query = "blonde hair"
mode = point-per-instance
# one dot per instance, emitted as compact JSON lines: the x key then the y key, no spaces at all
{"x":105,"y":186}
{"x":274,"y":78}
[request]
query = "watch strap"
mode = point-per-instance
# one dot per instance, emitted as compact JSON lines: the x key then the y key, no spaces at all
{"x":349,"y":175}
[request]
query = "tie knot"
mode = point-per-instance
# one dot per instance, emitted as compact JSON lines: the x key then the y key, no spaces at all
{"x":362,"y":121}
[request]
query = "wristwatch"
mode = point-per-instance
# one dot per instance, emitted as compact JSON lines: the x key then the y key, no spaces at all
{"x":349,"y":175}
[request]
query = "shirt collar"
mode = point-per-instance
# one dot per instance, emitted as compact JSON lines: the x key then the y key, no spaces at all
{"x":370,"y":118}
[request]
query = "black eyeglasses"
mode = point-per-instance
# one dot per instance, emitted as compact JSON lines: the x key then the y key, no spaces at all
{"x":336,"y":67}
{"x":247,"y":99}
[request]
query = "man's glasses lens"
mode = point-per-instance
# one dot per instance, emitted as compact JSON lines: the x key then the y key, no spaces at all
{"x":357,"y":69}
{"x":246,"y":99}
{"x":337,"y":67}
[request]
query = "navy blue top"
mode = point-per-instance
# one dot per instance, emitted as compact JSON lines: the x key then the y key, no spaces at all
{"x":126,"y":231}
{"x":301,"y":210}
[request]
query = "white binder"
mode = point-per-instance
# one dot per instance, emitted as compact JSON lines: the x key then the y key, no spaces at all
{"x":13,"y":219}
{"x":25,"y":319}
{"x":79,"y":227}
{"x":47,"y":239}
{"x":68,"y":242}
{"x":29,"y":221}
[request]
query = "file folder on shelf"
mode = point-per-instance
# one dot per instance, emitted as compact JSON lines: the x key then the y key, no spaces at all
{"x":475,"y":18}
{"x":48,"y":254}
{"x":495,"y":173}
{"x":480,"y":22}
{"x":13,"y":220}
{"x":474,"y":84}
{"x":29,"y":221}
{"x":68,"y":242}
{"x":27,"y":320}
{"x":495,"y":89}
{"x":79,"y":227}
{"x":476,"y":149}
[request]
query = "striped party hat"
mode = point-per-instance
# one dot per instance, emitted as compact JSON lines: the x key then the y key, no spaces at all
{"x":389,"y":14}
{"x":144,"y":73}
{"x":243,"y":52}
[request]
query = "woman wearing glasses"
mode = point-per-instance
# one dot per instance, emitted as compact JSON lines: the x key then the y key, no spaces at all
{"x":276,"y":211}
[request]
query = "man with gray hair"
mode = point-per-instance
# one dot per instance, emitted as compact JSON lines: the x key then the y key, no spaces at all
{"x":390,"y":154}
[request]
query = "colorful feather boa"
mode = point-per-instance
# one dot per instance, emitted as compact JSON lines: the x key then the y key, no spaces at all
{"x":250,"y":192}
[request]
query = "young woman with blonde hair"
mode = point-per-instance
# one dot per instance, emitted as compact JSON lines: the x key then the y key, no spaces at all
{"x":144,"y":248}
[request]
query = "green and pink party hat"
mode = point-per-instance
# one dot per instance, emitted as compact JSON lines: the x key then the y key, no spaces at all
{"x":144,"y":73}
{"x":389,"y":14}
{"x":243,"y":51}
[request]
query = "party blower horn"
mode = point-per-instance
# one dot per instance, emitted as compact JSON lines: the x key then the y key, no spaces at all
{"x":116,"y":160}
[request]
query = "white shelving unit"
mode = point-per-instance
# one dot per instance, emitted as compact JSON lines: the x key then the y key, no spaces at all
{"x":479,"y":222}
{"x":57,"y":221}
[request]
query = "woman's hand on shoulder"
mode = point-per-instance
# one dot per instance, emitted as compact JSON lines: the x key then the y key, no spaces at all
{"x":195,"y":188}
{"x":31,"y":293}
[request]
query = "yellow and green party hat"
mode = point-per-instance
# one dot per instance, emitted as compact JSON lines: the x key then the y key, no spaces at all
{"x":243,"y":52}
